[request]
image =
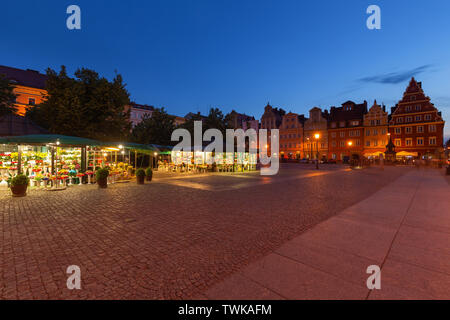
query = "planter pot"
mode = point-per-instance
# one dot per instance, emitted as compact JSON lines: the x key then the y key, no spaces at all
{"x":140,"y":179}
{"x":102,"y":183}
{"x":149,"y":178}
{"x":19,"y":191}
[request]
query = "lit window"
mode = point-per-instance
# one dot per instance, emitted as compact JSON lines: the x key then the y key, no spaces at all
{"x":420,"y":141}
{"x":432,"y":141}
{"x":398,"y":142}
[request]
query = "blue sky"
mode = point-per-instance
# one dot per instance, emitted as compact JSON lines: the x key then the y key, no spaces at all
{"x":190,"y":55}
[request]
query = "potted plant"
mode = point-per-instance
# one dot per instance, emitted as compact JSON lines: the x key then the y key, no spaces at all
{"x":149,"y":174}
{"x":19,"y":185}
{"x":101,"y":175}
{"x":140,"y":176}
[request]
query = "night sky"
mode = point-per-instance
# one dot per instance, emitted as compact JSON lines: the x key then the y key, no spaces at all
{"x":190,"y":55}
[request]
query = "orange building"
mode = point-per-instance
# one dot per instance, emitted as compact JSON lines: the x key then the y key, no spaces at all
{"x":291,"y":136}
{"x":29,"y":87}
{"x":416,"y":126}
{"x":346,"y":131}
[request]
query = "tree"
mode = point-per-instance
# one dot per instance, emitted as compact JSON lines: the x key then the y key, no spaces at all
{"x":156,"y":129}
{"x":88,"y":106}
{"x":7,"y":96}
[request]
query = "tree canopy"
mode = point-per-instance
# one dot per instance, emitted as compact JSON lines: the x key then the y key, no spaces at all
{"x":88,"y":106}
{"x":156,"y":129}
{"x":7,"y":96}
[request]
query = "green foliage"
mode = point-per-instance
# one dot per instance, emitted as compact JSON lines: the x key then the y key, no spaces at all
{"x":214,"y":120}
{"x":7,"y":97}
{"x":88,"y":106}
{"x":19,"y":180}
{"x":102,"y":174}
{"x":140,"y":172}
{"x":148,"y":172}
{"x":156,"y":129}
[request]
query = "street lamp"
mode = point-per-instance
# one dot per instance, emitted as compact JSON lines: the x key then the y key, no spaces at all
{"x":317,"y":136}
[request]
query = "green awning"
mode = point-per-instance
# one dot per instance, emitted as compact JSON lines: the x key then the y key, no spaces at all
{"x":44,"y":139}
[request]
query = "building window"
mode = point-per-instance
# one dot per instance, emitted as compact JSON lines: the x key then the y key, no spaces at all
{"x":378,"y":122}
{"x":408,"y":119}
{"x":355,"y":123}
{"x":398,"y":130}
{"x":432,"y":141}
{"x":408,"y":142}
{"x":322,"y":145}
{"x":358,"y":133}
{"x":408,"y":130}
{"x":350,"y":133}
{"x":367,"y":132}
{"x":358,"y":142}
{"x":333,"y":134}
{"x":383,"y":131}
{"x":333,"y":144}
{"x":408,"y":108}
{"x":398,"y":142}
{"x":342,"y":124}
{"x":342,"y":143}
{"x":420,"y":141}
{"x":375,"y":132}
{"x":31,"y":102}
{"x":372,"y":122}
{"x":375,"y":143}
{"x":333,"y":156}
{"x":413,"y":98}
{"x":418,"y":107}
{"x":333,"y":124}
{"x":420,"y":129}
{"x":428,"y":117}
{"x":342,"y":134}
{"x":399,"y":120}
{"x":432,"y":128}
{"x":418,"y":118}
{"x":367,"y":143}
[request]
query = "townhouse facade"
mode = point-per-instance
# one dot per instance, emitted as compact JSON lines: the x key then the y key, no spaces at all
{"x":375,"y":131}
{"x":346,"y":131}
{"x":416,"y":126}
{"x":315,"y":138}
{"x":271,"y":119}
{"x":29,"y":87}
{"x":291,"y":136}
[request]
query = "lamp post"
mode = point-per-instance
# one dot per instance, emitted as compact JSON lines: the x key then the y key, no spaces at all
{"x":350,"y":143}
{"x":317,"y":136}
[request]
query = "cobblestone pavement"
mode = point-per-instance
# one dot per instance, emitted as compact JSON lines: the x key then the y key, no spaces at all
{"x":170,"y":239}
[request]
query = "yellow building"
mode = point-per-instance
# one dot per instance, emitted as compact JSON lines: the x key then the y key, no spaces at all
{"x":375,"y":131}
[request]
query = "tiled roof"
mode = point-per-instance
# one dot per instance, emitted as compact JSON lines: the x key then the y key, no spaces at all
{"x":348,"y":111}
{"x":28,"y":78}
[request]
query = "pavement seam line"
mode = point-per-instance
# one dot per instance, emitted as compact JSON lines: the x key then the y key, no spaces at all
{"x":399,"y":227}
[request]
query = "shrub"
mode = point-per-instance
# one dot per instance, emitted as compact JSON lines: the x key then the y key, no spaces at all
{"x":148,"y":172}
{"x":20,"y":180}
{"x":101,"y":174}
{"x":140,"y":172}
